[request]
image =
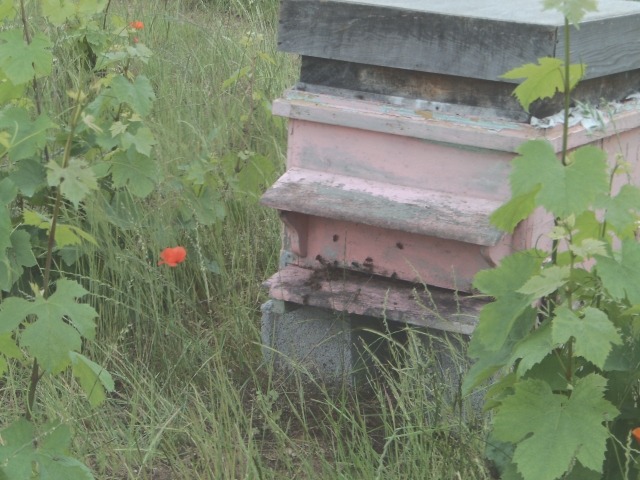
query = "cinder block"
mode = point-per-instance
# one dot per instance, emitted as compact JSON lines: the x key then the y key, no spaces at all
{"x":326,"y":344}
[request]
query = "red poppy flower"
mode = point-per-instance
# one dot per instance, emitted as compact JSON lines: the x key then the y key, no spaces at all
{"x":172,"y":256}
{"x":137,"y":25}
{"x":636,"y":434}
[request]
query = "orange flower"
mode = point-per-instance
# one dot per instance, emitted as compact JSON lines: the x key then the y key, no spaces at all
{"x":137,"y":25}
{"x":636,"y":434}
{"x":172,"y":256}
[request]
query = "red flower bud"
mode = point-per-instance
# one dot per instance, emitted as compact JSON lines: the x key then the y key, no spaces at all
{"x":636,"y":434}
{"x":137,"y":25}
{"x":172,"y":256}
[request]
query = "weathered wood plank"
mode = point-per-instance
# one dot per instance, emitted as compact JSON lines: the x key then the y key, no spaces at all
{"x":495,"y":134}
{"x":424,"y":212}
{"x":464,"y":96}
{"x":369,"y":295}
{"x":459,"y":37}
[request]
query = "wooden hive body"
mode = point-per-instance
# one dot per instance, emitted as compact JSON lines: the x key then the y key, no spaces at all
{"x":401,"y":133}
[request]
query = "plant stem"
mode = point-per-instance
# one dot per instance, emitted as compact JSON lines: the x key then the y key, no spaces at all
{"x":567,"y":89}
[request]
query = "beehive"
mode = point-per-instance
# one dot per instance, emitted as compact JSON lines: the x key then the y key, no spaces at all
{"x":401,"y":134}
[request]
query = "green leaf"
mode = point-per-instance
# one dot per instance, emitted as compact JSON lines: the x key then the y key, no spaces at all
{"x":574,"y":10}
{"x":543,"y":80}
{"x":17,"y":256}
{"x":93,"y":378}
{"x":29,"y":176}
{"x":622,"y":210}
{"x":498,"y":318}
{"x":564,"y":190}
{"x":75,"y":180}
{"x":550,"y":279}
{"x":551,"y":430}
{"x":594,"y":334}
{"x":8,"y":192}
{"x":509,"y":215}
{"x":27,"y":137}
{"x":9,"y":91}
{"x":135,"y":171}
{"x":137,"y":94}
{"x":533,"y":349}
{"x":24,"y":450}
{"x":621,"y":275}
{"x":21,"y":62}
{"x":61,"y":322}
{"x":8,"y":346}
{"x":57,"y":11}
{"x":142,"y":140}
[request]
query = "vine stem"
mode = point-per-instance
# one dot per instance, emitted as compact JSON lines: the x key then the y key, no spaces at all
{"x":35,"y":369}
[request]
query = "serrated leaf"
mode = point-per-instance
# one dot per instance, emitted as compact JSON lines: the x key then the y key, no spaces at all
{"x":533,"y":349}
{"x":9,"y":91}
{"x":18,"y":255}
{"x":621,"y":275}
{"x":23,"y":450}
{"x":593,"y":334}
{"x":550,"y":279}
{"x":29,"y":176}
{"x":75,"y":180}
{"x":564,"y":190}
{"x":93,"y":378}
{"x":512,"y":273}
{"x":622,"y":210}
{"x":21,"y":62}
{"x":61,"y":322}
{"x":574,"y":10}
{"x":67,"y":235}
{"x":137,"y":172}
{"x":27,"y":137}
{"x":534,"y":414}
{"x":543,"y":80}
{"x":588,"y":248}
{"x":143,"y":140}
{"x":509,"y":215}
{"x":8,"y":191}
{"x":8,"y":346}
{"x":138,"y":94}
{"x":57,"y":11}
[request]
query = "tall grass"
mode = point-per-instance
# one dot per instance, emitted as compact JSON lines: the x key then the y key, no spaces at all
{"x":193,"y":399}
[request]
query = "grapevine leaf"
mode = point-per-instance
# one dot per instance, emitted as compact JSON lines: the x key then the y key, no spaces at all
{"x":18,"y":255}
{"x":594,"y":334}
{"x":8,"y":346}
{"x":533,"y":349}
{"x":12,"y":312}
{"x":564,"y":190}
{"x":534,"y":414}
{"x":27,"y":137}
{"x":621,"y":275}
{"x":75,"y":180}
{"x":574,"y":10}
{"x":137,"y":94}
{"x":21,"y":61}
{"x":50,"y":340}
{"x":142,"y":140}
{"x":622,"y":210}
{"x":29,"y":176}
{"x":68,"y":235}
{"x":543,"y":80}
{"x":499,"y":317}
{"x":93,"y":378}
{"x":515,"y":210}
{"x":588,"y":248}
{"x":9,"y":91}
{"x":512,"y":273}
{"x":23,"y":449}
{"x":57,"y":11}
{"x":135,"y":171}
{"x":60,"y":323}
{"x":549,"y":280}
